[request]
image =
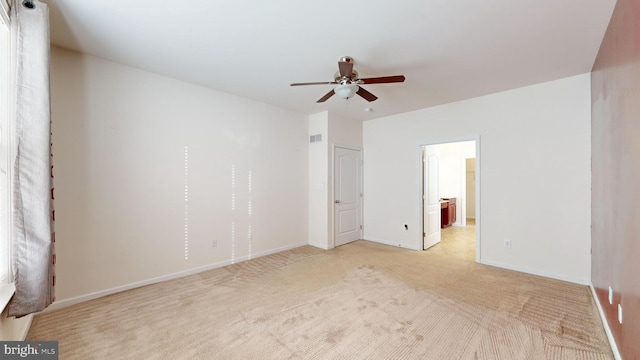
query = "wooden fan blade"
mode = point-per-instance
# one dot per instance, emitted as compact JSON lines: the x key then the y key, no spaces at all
{"x":366,"y":95}
{"x":315,"y":83}
{"x":327,"y":96}
{"x":346,"y":68}
{"x":383,"y":79}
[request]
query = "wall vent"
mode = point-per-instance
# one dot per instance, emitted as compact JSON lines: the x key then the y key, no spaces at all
{"x":315,"y":138}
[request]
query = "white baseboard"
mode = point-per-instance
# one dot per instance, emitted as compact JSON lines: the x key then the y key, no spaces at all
{"x":605,"y":323}
{"x":14,"y":329}
{"x":571,"y":279}
{"x":390,"y":243}
{"x":27,"y":326}
{"x":94,"y":295}
{"x":323,"y":247}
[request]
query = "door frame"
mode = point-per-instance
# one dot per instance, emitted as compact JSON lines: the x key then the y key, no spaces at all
{"x":420,"y":189}
{"x":332,"y":196}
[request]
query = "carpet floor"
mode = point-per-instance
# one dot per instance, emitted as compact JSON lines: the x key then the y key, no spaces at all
{"x":358,"y":301}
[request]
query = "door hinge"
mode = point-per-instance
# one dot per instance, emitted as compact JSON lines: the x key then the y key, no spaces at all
{"x":360,"y":227}
{"x":360,"y":194}
{"x":424,"y":234}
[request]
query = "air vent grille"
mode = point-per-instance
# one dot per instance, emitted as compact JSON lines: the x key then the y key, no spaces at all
{"x":315,"y":138}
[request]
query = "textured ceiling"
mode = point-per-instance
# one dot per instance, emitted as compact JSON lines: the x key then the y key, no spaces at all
{"x":448,"y":50}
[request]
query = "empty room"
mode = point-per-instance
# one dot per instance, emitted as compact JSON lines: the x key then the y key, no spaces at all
{"x":333,"y":180}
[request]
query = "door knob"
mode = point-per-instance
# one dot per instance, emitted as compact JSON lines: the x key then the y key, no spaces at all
{"x":337,"y":201}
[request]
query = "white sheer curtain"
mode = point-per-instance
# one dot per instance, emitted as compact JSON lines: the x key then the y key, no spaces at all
{"x":32,"y":231}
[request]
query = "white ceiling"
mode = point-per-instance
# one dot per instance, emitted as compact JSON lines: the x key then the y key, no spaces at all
{"x":448,"y":49}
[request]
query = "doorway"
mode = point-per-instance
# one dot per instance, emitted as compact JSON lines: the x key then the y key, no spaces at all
{"x":452,"y":187}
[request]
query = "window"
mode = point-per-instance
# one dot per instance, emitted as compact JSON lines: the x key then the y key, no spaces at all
{"x":4,"y":12}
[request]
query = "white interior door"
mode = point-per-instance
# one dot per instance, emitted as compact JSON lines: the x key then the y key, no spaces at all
{"x":347,"y":195}
{"x":431,"y":200}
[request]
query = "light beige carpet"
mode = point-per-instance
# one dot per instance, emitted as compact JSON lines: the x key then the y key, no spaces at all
{"x":358,"y":301}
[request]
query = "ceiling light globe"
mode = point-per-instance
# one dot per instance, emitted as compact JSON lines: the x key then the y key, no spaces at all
{"x":346,"y":91}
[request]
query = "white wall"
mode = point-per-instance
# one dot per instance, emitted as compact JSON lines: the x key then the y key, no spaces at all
{"x":452,"y":157}
{"x":345,"y":132}
{"x":534,"y":160}
{"x":120,"y":136}
{"x":319,"y":181}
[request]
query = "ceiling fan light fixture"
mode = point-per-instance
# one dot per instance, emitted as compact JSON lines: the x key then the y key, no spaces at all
{"x":347,"y":82}
{"x":346,"y":91}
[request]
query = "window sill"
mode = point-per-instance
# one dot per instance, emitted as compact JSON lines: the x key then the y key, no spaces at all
{"x":6,"y":292}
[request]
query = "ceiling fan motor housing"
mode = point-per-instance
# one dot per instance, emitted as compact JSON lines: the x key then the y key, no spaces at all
{"x":344,"y":79}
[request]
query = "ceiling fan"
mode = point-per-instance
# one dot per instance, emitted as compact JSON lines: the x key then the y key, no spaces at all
{"x":349,"y":84}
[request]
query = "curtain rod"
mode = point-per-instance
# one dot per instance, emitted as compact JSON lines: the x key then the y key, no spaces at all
{"x":28,"y":4}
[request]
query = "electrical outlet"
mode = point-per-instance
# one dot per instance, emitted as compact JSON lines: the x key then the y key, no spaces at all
{"x":214,"y":243}
{"x":620,"y":313}
{"x":610,"y":296}
{"x":507,"y":244}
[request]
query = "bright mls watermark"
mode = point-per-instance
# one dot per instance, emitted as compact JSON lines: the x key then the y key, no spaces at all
{"x":33,"y":350}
